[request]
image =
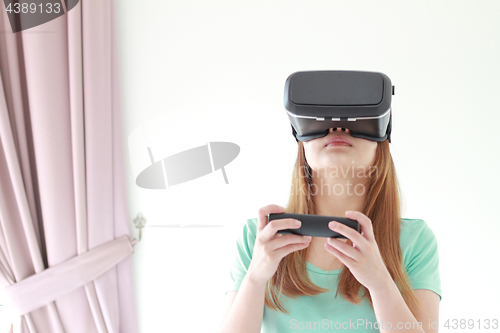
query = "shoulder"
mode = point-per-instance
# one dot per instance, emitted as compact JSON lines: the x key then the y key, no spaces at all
{"x":417,"y":239}
{"x":248,"y":234}
{"x":250,"y":228}
{"x":413,"y":230}
{"x":419,"y":248}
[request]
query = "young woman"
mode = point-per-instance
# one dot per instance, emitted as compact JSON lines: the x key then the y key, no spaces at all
{"x":384,"y":279}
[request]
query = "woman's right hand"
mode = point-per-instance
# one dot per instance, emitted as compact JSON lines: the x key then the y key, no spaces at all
{"x":270,"y":247}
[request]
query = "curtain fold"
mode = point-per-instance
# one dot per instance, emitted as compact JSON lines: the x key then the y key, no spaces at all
{"x":47,"y":286}
{"x":62,"y":177}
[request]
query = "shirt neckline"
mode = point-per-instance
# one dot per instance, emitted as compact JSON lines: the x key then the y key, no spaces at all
{"x":318,"y":270}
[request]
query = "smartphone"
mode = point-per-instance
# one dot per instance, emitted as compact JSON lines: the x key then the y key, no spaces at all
{"x":315,"y":225}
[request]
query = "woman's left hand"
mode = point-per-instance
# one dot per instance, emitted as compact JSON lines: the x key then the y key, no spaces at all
{"x":362,"y":258}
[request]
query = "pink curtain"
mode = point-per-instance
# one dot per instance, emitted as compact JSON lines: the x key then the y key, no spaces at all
{"x":65,"y":263}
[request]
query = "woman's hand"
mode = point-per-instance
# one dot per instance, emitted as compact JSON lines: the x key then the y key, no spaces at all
{"x":270,"y":247}
{"x":362,"y":258}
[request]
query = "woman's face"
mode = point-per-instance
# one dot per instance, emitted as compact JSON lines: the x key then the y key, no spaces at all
{"x":359,"y":153}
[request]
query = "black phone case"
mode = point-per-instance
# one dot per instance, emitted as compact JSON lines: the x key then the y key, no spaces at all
{"x":314,"y":225}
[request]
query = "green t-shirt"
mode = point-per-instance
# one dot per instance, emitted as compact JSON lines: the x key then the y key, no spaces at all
{"x":324,"y":312}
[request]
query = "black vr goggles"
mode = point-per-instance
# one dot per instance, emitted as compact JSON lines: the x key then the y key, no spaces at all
{"x":359,"y":101}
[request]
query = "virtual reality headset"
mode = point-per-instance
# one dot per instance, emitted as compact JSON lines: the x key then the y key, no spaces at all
{"x":359,"y":101}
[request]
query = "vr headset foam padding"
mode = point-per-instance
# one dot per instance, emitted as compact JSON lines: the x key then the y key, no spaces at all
{"x":359,"y":101}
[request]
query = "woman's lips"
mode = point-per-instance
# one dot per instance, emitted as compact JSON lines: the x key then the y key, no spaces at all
{"x":338,"y":143}
{"x":336,"y":139}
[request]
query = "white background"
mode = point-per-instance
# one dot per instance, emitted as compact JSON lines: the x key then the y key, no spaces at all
{"x":200,"y":71}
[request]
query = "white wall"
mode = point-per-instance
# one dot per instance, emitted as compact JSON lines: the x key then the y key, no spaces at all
{"x":197,"y":71}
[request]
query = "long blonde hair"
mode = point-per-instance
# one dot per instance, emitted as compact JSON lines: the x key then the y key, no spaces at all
{"x":382,"y":206}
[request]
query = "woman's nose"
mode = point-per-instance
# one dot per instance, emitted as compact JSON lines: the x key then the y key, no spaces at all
{"x":340,"y":129}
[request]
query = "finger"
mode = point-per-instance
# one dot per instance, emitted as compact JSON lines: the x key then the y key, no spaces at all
{"x":346,"y":249}
{"x":364,"y":221}
{"x":264,"y":211}
{"x":353,"y":235}
{"x":342,"y":257}
{"x":282,"y":252}
{"x":280,"y":224}
{"x":285,"y":240}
